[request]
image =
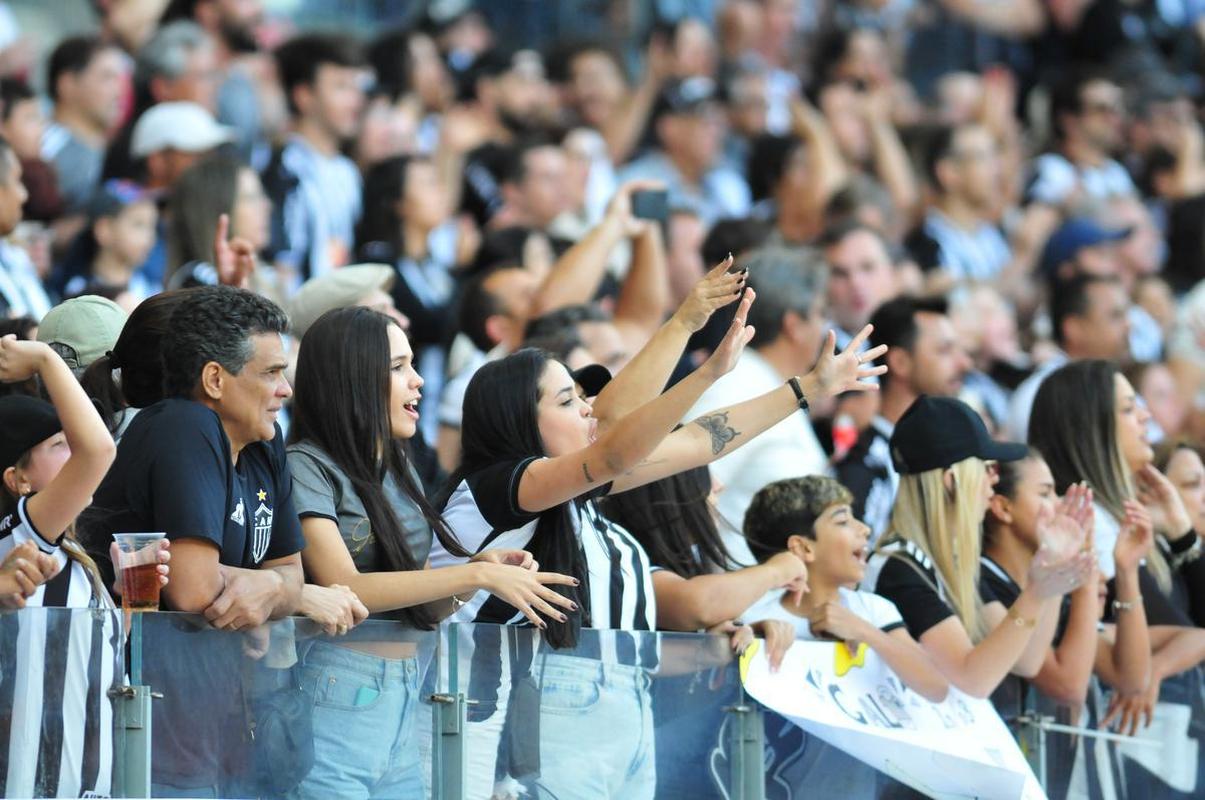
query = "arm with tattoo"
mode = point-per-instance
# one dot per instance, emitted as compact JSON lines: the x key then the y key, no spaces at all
{"x":718,"y":429}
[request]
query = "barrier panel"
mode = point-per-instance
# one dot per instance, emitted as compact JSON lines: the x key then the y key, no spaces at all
{"x":169,"y":707}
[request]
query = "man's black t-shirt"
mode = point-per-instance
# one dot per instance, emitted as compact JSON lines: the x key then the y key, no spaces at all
{"x":173,"y":473}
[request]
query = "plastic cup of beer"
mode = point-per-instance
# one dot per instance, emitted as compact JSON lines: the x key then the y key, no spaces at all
{"x":138,"y":556}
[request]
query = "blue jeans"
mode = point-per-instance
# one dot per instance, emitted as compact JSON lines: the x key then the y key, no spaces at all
{"x":596,"y":730}
{"x":365,"y":733}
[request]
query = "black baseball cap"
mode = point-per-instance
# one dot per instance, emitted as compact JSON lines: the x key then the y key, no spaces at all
{"x":592,"y":378}
{"x":25,"y":422}
{"x":938,"y":432}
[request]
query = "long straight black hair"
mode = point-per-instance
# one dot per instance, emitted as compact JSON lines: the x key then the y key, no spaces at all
{"x":672,"y":521}
{"x":341,"y":404}
{"x":501,"y":423}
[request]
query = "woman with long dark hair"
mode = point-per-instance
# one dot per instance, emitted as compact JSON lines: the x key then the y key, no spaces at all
{"x":369,"y":528}
{"x":534,"y":461}
{"x":1089,"y":425}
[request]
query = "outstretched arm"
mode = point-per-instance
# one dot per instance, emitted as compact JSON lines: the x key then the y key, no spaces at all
{"x":722,"y":431}
{"x":58,"y":503}
{"x":646,"y":374}
{"x":549,"y":482}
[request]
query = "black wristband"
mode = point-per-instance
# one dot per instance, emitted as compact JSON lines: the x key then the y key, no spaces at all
{"x":798,"y":390}
{"x":1182,"y":544}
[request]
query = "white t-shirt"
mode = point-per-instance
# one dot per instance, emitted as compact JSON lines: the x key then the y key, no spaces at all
{"x":789,"y":449}
{"x":878,"y":611}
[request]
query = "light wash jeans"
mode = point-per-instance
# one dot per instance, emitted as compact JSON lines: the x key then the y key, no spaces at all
{"x":596,"y":730}
{"x":365,"y":726}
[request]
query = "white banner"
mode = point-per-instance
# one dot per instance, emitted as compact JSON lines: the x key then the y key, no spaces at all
{"x":959,"y":748}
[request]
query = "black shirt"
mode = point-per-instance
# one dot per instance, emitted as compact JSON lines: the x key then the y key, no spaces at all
{"x":901,"y":572}
{"x":173,"y":473}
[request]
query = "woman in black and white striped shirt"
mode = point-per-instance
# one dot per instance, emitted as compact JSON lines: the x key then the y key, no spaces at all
{"x":55,"y":669}
{"x":534,"y":461}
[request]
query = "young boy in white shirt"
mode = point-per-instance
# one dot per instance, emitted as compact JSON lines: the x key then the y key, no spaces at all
{"x":811,"y":518}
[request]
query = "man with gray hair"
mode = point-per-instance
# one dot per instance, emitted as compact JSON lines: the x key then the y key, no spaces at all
{"x":790,"y":328}
{"x":177,"y":64}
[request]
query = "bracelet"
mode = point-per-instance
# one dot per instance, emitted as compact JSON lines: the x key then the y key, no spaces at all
{"x":1020,"y":621}
{"x":457,"y":604}
{"x":798,"y":390}
{"x":1127,"y":605}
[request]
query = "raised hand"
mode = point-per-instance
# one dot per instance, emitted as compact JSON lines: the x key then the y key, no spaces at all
{"x":724,"y":358}
{"x":1163,"y":502}
{"x":848,"y":370}
{"x":619,"y":210}
{"x":717,"y":289}
{"x":234,"y":260}
{"x":1136,"y":537}
{"x":20,"y":359}
{"x":1062,"y":563}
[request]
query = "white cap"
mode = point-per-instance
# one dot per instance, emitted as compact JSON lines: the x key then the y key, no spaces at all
{"x":182,"y":126}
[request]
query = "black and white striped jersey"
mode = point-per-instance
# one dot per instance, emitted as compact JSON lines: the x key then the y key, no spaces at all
{"x":56,"y":669}
{"x":483,"y":512}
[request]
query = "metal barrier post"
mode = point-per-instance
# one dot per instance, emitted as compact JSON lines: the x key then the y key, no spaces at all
{"x":448,"y":750}
{"x":747,"y":744}
{"x":132,"y":723}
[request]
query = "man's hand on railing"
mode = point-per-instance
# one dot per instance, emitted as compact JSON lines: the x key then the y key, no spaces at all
{"x":247,"y":599}
{"x":335,"y":608}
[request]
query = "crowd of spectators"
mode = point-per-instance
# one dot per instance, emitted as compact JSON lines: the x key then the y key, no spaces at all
{"x":312,"y":281}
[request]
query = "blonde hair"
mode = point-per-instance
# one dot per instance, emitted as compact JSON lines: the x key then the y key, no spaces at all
{"x":947,"y":527}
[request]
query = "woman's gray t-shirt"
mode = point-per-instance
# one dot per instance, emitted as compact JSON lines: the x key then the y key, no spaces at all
{"x":322,"y":489}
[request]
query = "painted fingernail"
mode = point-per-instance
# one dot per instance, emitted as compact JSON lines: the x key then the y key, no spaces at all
{"x":573,"y":606}
{"x":576,"y":582}
{"x":564,"y":618}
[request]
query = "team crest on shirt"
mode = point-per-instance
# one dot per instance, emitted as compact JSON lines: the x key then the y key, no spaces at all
{"x":262,"y":530}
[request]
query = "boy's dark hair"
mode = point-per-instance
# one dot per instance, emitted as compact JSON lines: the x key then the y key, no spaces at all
{"x":789,"y":508}
{"x":300,"y":58}
{"x":837,"y":232}
{"x":215,"y":323}
{"x":73,"y":55}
